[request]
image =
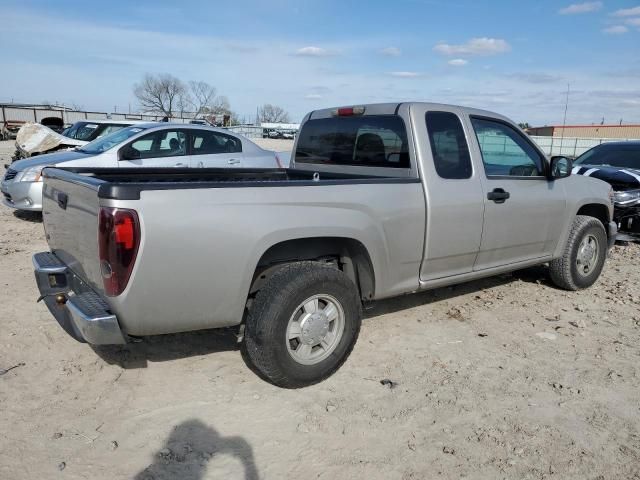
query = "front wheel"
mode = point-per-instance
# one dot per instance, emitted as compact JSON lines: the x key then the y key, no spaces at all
{"x":584,"y":255}
{"x":302,"y":324}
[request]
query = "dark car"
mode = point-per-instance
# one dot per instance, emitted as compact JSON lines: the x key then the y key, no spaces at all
{"x":617,"y":163}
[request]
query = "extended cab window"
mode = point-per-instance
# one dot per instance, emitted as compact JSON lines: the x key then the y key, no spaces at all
{"x":206,"y":142}
{"x":370,"y":141}
{"x":163,"y":143}
{"x":505,"y":152}
{"x":448,"y":145}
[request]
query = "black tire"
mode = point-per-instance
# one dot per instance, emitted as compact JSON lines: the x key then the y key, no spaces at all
{"x":265,"y":340}
{"x":565,"y":270}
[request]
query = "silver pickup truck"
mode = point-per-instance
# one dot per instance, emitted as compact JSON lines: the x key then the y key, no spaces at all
{"x":380,"y":200}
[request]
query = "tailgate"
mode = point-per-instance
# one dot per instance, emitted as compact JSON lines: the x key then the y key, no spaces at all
{"x":70,"y":207}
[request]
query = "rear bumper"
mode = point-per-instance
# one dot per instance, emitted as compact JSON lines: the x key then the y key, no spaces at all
{"x":79,"y":310}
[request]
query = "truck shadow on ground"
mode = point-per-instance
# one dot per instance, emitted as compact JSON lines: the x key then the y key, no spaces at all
{"x":161,"y":348}
{"x":27,"y":216}
{"x":188,"y":450}
{"x":538,"y":275}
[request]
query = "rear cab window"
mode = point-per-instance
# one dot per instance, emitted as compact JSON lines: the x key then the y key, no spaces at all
{"x":449,"y":147}
{"x":367,"y":141}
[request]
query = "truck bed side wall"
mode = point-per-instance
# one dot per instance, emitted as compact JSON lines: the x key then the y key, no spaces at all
{"x":195,"y":265}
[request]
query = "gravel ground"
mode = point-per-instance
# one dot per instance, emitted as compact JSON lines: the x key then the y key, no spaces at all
{"x":502,"y":378}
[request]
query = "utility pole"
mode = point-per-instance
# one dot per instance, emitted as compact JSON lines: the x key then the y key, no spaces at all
{"x":564,"y":120}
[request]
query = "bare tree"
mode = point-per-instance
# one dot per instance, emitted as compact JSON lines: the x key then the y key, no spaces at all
{"x":272,"y":114}
{"x":161,"y":93}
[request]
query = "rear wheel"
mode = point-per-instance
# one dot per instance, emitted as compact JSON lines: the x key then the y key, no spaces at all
{"x":583,"y":257}
{"x":302,"y":324}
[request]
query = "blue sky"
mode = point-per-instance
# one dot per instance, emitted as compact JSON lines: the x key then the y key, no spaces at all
{"x":515,"y":58}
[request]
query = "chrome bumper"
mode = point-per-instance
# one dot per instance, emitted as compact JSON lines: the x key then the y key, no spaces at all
{"x":80,"y":311}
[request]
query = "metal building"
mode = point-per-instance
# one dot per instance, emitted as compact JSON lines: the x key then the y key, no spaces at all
{"x":588,"y":131}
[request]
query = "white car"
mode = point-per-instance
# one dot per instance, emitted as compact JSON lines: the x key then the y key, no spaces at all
{"x":146,"y":145}
{"x":36,"y":139}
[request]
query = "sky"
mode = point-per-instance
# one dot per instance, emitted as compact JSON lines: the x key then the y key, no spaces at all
{"x":515,"y":58}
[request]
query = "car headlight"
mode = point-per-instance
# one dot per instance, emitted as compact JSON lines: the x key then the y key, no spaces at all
{"x":628,"y":197}
{"x":33,"y":174}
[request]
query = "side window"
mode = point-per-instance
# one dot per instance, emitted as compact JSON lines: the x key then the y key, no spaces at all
{"x":163,"y":143}
{"x":504,"y":150}
{"x":205,"y":142}
{"x":448,"y":145}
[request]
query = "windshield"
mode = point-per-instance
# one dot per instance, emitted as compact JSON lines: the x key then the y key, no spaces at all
{"x":621,"y":156}
{"x":103,"y":144}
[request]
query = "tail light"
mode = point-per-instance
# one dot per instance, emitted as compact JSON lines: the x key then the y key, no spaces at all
{"x":118,"y":241}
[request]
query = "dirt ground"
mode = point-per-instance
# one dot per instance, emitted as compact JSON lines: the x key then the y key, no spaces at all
{"x":502,"y":378}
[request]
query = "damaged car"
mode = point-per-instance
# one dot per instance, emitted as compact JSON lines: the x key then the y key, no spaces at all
{"x":35,"y":139}
{"x":617,"y":163}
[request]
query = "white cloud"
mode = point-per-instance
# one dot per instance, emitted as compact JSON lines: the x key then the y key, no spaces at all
{"x":633,"y":21}
{"x":616,"y":30}
{"x":312,"y":51}
{"x":313,"y":96}
{"x":475,"y":46}
{"x":391,"y":52}
{"x":458,"y":62}
{"x":585,"y":7}
{"x":404,"y":74}
{"x":627,"y":12}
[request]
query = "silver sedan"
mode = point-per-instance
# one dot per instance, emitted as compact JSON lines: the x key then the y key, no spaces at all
{"x":146,"y":145}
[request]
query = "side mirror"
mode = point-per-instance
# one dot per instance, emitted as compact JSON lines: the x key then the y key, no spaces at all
{"x":560,"y":167}
{"x":128,"y":153}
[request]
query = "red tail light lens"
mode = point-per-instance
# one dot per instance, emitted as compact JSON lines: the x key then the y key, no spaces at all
{"x":347,"y":111}
{"x":118,"y":241}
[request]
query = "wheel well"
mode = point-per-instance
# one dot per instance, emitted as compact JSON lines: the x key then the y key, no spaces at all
{"x":596,"y":210}
{"x":347,"y":254}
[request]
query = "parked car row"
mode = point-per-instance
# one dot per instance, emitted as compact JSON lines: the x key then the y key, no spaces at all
{"x":142,"y":145}
{"x":279,"y":134}
{"x":36,"y":139}
{"x":379,"y":201}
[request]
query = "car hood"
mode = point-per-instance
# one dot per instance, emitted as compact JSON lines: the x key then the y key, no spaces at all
{"x":48,"y":160}
{"x":619,"y":178}
{"x":34,"y":138}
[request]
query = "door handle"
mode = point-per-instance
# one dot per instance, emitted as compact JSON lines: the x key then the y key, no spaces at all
{"x":498,"y":195}
{"x":178,"y":165}
{"x":233,"y":161}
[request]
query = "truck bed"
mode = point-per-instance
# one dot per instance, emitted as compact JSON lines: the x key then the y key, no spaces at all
{"x":127,"y":183}
{"x":204,"y":233}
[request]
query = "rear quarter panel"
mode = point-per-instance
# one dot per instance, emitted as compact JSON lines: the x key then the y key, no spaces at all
{"x":200,"y":247}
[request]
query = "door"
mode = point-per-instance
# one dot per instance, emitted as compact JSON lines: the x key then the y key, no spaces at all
{"x":523,"y":212}
{"x":212,"y":149}
{"x":162,"y":148}
{"x":454,"y":203}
